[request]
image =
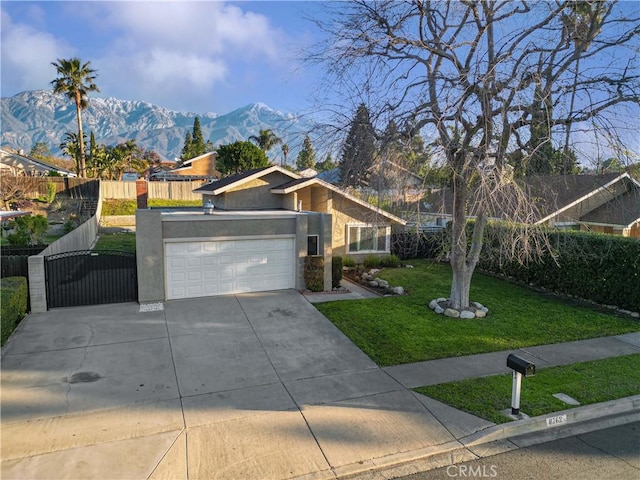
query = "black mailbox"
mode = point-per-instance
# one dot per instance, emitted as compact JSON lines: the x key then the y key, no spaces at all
{"x":521,"y":365}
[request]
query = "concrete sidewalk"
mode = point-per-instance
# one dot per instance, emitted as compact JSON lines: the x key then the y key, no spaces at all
{"x":255,"y":386}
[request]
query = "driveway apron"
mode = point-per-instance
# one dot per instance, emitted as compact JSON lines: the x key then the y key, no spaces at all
{"x":249,"y":386}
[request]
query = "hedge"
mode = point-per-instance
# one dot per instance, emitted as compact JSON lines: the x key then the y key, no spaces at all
{"x":336,"y":271}
{"x":314,"y":273}
{"x":597,"y":267}
{"x":13,"y":293}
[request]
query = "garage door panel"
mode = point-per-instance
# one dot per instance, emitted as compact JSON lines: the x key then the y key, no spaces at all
{"x":228,"y":266}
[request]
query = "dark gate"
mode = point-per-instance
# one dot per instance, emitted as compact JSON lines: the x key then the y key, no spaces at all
{"x":91,"y":278}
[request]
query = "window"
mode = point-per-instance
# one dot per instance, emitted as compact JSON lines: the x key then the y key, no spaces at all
{"x":312,"y":245}
{"x":368,"y":238}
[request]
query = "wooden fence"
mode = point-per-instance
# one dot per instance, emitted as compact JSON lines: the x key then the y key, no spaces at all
{"x":164,"y":190}
{"x":89,"y":188}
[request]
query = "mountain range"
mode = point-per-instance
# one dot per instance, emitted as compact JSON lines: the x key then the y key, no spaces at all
{"x":41,"y":116}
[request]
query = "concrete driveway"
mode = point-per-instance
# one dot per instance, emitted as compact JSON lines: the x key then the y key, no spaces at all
{"x":250,"y":386}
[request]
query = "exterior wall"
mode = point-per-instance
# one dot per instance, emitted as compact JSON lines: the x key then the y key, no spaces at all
{"x":154,"y":228}
{"x":202,"y":166}
{"x":346,"y":212}
{"x":253,"y":195}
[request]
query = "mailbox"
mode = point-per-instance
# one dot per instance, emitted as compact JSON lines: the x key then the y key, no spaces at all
{"x":521,"y":365}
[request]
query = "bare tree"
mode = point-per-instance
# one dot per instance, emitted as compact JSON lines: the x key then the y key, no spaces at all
{"x":474,"y":75}
{"x":16,"y":187}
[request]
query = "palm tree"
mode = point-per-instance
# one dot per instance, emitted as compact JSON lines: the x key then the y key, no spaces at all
{"x":266,"y":140}
{"x":285,"y":152}
{"x":71,"y":147}
{"x":76,"y":80}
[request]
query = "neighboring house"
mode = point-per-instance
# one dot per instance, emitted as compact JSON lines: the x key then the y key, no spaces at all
{"x":263,"y":224}
{"x":396,"y":183}
{"x":19,"y":164}
{"x":202,"y":167}
{"x":607,"y":203}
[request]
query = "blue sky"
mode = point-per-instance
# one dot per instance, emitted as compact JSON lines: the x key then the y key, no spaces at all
{"x":189,"y":56}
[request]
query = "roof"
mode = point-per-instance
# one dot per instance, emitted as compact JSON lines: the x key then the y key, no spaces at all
{"x":300,"y":183}
{"x":27,"y":163}
{"x":199,"y":157}
{"x":554,"y":194}
{"x":238,"y":179}
{"x":296,"y":183}
{"x":331,"y":176}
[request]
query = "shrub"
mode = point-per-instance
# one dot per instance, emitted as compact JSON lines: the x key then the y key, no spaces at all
{"x":371,"y":261}
{"x":336,"y":272}
{"x":348,"y":262}
{"x":29,"y":230}
{"x":314,"y":273}
{"x":13,"y":293}
{"x":163,"y":202}
{"x":390,"y":261}
{"x":51,"y":192}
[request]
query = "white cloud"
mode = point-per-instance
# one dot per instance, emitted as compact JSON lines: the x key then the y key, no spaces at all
{"x":173,"y":53}
{"x":27,"y":54}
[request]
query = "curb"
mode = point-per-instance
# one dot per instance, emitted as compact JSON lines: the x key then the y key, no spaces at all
{"x":555,"y":420}
{"x":613,"y":412}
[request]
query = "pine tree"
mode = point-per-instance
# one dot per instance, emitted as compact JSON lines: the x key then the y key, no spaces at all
{"x":186,"y":150}
{"x":358,"y":151}
{"x":306,"y":157}
{"x":328,"y":164}
{"x":194,"y":144}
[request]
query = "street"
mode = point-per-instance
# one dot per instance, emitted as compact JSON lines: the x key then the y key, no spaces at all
{"x":612,"y":453}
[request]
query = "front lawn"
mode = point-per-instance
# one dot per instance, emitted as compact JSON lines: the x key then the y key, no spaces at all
{"x":587,"y":382}
{"x":396,"y":330}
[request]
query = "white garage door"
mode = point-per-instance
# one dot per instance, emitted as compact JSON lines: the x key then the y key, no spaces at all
{"x":200,"y":269}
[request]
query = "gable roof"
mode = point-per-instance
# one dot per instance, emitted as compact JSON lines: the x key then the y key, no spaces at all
{"x":555,"y":194}
{"x":300,"y":183}
{"x":232,"y":181}
{"x":296,"y":183}
{"x":194,"y":159}
{"x":17,"y":160}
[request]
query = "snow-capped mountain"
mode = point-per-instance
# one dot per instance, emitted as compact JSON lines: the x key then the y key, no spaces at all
{"x":41,"y":116}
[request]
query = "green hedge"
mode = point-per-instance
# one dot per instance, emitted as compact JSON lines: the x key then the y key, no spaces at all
{"x":336,"y":272}
{"x":598,"y":267}
{"x":314,"y":273}
{"x":13,"y":292}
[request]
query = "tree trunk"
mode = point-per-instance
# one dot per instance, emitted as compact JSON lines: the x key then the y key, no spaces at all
{"x":83,"y":163}
{"x":460,"y":285}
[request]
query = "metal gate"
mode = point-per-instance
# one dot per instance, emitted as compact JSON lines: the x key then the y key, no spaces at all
{"x":91,"y":277}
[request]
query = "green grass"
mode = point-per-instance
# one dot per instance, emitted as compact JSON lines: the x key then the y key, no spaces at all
{"x":117,"y":241}
{"x":589,"y":382}
{"x":396,"y":330}
{"x":128,"y":207}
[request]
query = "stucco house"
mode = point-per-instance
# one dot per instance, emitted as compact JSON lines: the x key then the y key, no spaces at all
{"x":608,"y":203}
{"x":253,"y":235}
{"x":202,"y":167}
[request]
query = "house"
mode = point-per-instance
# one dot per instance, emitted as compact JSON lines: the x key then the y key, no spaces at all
{"x":261,"y":225}
{"x":202,"y":167}
{"x":607,"y":203}
{"x":19,"y":164}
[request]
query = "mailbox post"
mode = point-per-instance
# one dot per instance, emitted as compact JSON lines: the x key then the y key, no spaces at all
{"x":521,"y":368}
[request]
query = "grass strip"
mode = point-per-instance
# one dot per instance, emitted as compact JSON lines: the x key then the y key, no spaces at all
{"x":588,"y":382}
{"x":125,"y":241}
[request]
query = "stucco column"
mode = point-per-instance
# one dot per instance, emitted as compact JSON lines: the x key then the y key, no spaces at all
{"x":150,"y":256}
{"x":327,"y":250}
{"x":37,"y":285}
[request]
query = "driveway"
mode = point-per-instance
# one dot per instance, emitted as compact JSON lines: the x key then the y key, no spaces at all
{"x":248,"y":386}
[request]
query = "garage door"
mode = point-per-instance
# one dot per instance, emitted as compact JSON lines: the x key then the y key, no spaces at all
{"x":200,"y":269}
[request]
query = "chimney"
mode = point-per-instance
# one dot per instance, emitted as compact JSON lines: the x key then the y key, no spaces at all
{"x":142,"y":193}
